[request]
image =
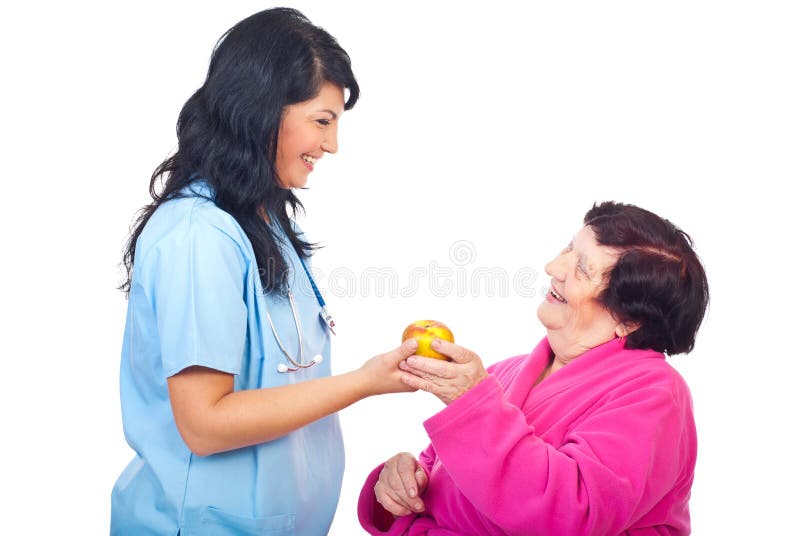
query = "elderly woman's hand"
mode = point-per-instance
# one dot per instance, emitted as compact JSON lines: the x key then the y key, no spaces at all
{"x":447,"y":380}
{"x":401,"y":482}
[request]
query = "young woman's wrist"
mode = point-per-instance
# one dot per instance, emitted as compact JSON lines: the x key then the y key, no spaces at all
{"x":362,"y":384}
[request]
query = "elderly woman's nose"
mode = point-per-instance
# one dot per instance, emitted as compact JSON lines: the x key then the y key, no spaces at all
{"x":554,"y":268}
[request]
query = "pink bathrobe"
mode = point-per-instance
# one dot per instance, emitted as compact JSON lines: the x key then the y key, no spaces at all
{"x":605,"y":445}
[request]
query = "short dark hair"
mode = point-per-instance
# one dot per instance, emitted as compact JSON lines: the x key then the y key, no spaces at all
{"x":658,"y":282}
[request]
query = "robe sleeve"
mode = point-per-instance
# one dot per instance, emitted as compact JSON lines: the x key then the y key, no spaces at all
{"x":613,"y":465}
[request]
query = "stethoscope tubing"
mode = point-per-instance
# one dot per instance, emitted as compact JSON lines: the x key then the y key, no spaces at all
{"x":299,"y":364}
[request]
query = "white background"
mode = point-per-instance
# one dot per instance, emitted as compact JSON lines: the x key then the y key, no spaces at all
{"x":493,"y":123}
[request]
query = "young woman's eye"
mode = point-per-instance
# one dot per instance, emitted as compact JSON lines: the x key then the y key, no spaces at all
{"x":324,"y":122}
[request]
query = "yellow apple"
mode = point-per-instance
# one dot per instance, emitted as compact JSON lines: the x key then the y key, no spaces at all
{"x":424,"y":331}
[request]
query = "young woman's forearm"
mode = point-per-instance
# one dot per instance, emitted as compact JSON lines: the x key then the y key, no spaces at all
{"x":228,"y":419}
{"x":212,"y":417}
{"x":249,"y":417}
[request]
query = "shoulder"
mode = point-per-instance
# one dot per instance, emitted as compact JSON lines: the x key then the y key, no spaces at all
{"x":190,"y":222}
{"x":648,"y":370}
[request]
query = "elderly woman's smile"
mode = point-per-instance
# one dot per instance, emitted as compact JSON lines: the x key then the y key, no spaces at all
{"x":555,"y":296}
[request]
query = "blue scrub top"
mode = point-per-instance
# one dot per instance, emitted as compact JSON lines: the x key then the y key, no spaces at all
{"x":196,"y":300}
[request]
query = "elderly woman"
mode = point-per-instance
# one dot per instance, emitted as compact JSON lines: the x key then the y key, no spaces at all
{"x":592,"y":433}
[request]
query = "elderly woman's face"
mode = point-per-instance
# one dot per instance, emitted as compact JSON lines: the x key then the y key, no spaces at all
{"x":575,"y":321}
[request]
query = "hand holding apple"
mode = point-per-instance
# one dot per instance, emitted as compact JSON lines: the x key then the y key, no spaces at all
{"x":448,"y":380}
{"x":425,"y":331}
{"x":381,"y":374}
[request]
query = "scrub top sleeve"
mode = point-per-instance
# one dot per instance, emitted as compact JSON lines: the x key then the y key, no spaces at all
{"x":198,"y":294}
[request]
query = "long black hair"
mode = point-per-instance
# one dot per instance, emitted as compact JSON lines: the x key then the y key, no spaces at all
{"x":228,"y":130}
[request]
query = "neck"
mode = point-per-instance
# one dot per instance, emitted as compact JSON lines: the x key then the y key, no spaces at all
{"x":566,"y":351}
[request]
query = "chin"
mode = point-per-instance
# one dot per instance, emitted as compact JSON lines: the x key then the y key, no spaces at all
{"x":300,"y":182}
{"x":550,"y":321}
{"x":542,"y":314}
{"x":294,"y":184}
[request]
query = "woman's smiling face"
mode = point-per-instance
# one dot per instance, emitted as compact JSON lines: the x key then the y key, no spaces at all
{"x":308,"y":130}
{"x":574,"y":319}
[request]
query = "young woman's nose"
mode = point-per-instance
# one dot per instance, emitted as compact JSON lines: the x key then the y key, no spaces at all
{"x":330,"y":143}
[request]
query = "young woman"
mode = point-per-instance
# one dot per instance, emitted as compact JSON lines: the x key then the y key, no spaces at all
{"x":226,"y":392}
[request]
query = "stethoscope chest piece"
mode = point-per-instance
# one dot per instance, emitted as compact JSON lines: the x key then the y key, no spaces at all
{"x":283,"y":367}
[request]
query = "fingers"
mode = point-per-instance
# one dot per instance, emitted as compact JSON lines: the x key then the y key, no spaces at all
{"x":389,"y":501}
{"x":380,"y":374}
{"x":399,"y":506}
{"x":428,"y":368}
{"x":422,"y":479}
{"x":400,"y":353}
{"x":445,"y":380}
{"x":398,"y":485}
{"x":457,"y":353}
{"x":406,"y":349}
{"x":406,"y":468}
{"x":429,"y":385}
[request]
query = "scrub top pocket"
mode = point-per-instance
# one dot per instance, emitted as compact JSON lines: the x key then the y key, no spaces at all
{"x":215,"y":522}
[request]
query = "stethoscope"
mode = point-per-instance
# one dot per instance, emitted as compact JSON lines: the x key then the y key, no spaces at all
{"x":299,"y":363}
